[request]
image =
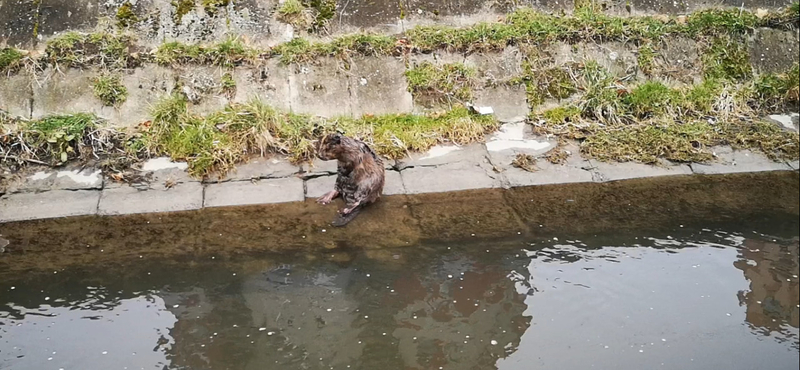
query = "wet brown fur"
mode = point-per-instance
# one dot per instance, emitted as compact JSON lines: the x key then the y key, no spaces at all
{"x":360,"y":175}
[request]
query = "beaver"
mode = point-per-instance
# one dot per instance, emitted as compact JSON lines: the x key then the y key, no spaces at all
{"x":360,"y":174}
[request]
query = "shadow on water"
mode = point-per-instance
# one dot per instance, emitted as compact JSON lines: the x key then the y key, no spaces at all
{"x":719,"y":292}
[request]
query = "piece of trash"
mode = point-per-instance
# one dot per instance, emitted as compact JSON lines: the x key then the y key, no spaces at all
{"x":480,"y":110}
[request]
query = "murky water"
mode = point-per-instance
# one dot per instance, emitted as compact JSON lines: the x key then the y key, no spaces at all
{"x":691,"y":298}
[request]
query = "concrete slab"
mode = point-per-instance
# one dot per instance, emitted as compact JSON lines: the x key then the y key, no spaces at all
{"x":735,"y":161}
{"x":261,"y":168}
{"x":268,"y":83}
{"x":76,"y":179}
{"x":515,"y":138}
{"x":320,"y":89}
{"x":795,"y":165}
{"x":450,"y":177}
{"x":631,"y":170}
{"x":238,"y":193}
{"x":575,"y":169}
{"x":318,"y":186}
{"x":444,"y":154}
{"x":49,"y":204}
{"x":318,"y":167}
{"x":378,"y":86}
{"x":393,"y":184}
{"x":15,"y":93}
{"x":510,"y":103}
{"x":66,"y":92}
{"x":128,"y":200}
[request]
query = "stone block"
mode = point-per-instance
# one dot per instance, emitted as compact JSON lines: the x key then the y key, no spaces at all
{"x":378,"y":86}
{"x":238,"y":193}
{"x":49,"y":204}
{"x":86,"y":179}
{"x":510,"y":103}
{"x":393,"y":184}
{"x":318,"y":167}
{"x":444,"y":154}
{"x":146,"y":86}
{"x":450,"y":177}
{"x":575,"y":169}
{"x":128,"y":200}
{"x":631,"y":170}
{"x":795,"y":165}
{"x":17,"y":22}
{"x":494,"y":67}
{"x":66,"y":92}
{"x":773,"y":51}
{"x":319,"y":186}
{"x":260,"y":168}
{"x":268,"y":83}
{"x":735,"y":161}
{"x":320,"y":89}
{"x":15,"y":94}
{"x":57,"y":15}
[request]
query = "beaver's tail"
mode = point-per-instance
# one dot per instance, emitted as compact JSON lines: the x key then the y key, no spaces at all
{"x":342,"y":220}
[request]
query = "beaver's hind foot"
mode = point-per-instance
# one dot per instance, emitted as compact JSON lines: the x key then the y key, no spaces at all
{"x":343,"y":219}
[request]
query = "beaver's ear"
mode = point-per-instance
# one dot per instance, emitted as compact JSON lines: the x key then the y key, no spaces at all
{"x":336,"y":138}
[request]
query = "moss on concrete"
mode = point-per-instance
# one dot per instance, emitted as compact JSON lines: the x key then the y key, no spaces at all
{"x":125,"y":15}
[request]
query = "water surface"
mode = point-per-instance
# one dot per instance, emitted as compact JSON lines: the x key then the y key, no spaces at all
{"x":688,"y":298}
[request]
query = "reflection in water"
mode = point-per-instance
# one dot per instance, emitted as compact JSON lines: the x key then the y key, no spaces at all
{"x":630,"y":303}
{"x":772,"y":298}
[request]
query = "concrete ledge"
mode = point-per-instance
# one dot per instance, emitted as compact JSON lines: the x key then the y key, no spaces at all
{"x":736,"y":161}
{"x":239,"y":193}
{"x":445,"y":178}
{"x":631,"y":170}
{"x":128,"y":200}
{"x":637,"y":205}
{"x":49,"y":204}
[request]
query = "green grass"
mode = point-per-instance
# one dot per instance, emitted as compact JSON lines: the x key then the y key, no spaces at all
{"x":649,"y":99}
{"x":646,"y":58}
{"x":77,"y":49}
{"x":228,"y":85}
{"x":109,"y":89}
{"x":57,"y":138}
{"x":10,"y":58}
{"x":219,"y":140}
{"x":441,"y":83}
{"x":229,"y":53}
{"x":727,"y":58}
{"x":295,"y":13}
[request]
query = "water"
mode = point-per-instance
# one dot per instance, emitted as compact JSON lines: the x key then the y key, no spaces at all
{"x":686,"y":298}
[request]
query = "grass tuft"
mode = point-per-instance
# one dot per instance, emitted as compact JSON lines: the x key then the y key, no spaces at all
{"x":79,"y":50}
{"x":109,"y":89}
{"x":10,"y":58}
{"x":441,"y":83}
{"x":295,"y":13}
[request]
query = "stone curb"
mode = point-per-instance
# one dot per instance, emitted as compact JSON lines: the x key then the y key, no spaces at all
{"x":442,"y":170}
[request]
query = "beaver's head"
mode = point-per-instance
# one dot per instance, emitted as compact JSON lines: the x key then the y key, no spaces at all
{"x":330,"y":147}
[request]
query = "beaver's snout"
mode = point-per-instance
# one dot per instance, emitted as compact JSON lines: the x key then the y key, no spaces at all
{"x":326,"y":150}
